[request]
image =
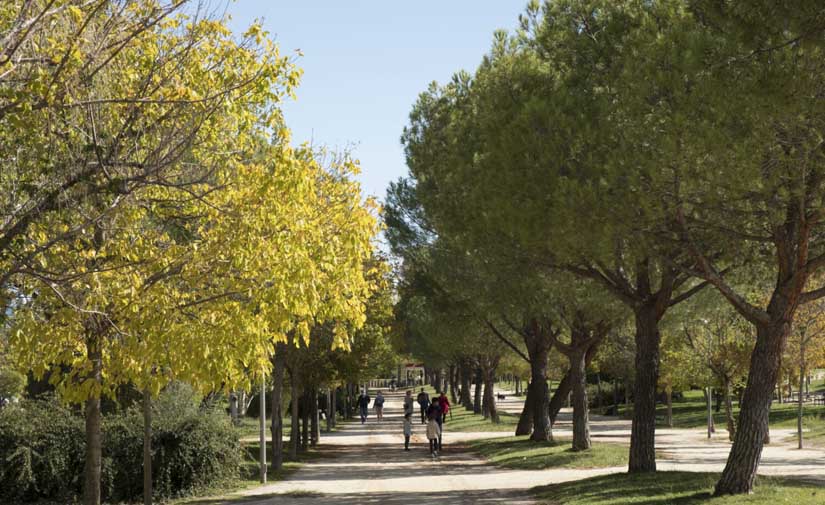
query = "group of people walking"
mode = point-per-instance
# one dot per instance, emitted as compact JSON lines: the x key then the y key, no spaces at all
{"x":364,"y":404}
{"x":433,"y":414}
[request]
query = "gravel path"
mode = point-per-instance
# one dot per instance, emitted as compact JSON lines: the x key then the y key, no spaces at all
{"x":366,"y":464}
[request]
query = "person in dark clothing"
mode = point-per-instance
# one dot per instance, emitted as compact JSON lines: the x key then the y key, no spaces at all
{"x":363,"y":405}
{"x":434,"y":414}
{"x":424,"y":402}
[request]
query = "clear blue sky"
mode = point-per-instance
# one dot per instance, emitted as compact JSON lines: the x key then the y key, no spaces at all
{"x":365,"y":62}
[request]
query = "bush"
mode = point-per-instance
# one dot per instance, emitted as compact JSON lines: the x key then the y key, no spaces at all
{"x":41,"y":451}
{"x":42,"y":447}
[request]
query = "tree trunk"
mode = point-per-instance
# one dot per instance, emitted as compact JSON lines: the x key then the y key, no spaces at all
{"x":801,"y":404}
{"x":294,"y":429}
{"x":333,"y":405}
{"x":752,"y":428}
{"x":453,"y":396}
{"x":539,"y":395}
{"x":581,"y":423}
{"x":92,"y":470}
{"x":563,"y":390}
{"x":489,"y":395}
{"x":669,"y":394}
{"x":437,"y":385}
{"x":477,"y":392}
{"x":304,"y":412}
{"x":729,"y":410}
{"x":233,"y":407}
{"x":277,"y":426}
{"x":315,"y":428}
{"x":598,"y":391}
{"x":643,"y":430}
{"x":616,"y":397}
{"x":525,"y":420}
{"x":147,"y":447}
{"x":466,"y":380}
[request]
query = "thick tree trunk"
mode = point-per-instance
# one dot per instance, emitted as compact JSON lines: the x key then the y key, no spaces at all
{"x":147,"y":447}
{"x":581,"y":422}
{"x":92,"y":470}
{"x":294,"y":429}
{"x":490,"y":410}
{"x":333,"y":405}
{"x":479,"y":380}
{"x":437,"y":385}
{"x":525,"y":420}
{"x":305,"y":404}
{"x":466,"y":380}
{"x":277,"y":426}
{"x":563,"y":390}
{"x":752,"y":428}
{"x":643,"y":430}
{"x":315,"y":428}
{"x":731,"y":422}
{"x":539,"y":395}
{"x":801,"y":405}
{"x":453,"y":372}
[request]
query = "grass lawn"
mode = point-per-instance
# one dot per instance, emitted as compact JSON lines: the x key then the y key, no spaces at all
{"x":521,"y":453}
{"x":461,"y":419}
{"x":691,"y":412}
{"x":673,"y":488}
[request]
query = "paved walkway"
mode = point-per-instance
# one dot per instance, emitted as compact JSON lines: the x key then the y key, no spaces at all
{"x":366,"y":464}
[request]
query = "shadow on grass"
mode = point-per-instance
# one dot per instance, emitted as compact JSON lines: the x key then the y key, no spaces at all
{"x":523,"y":454}
{"x":673,"y":488}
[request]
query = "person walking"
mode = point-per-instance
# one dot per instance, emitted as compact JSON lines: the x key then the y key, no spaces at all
{"x":379,"y":406}
{"x":423,"y":402}
{"x":363,"y":405}
{"x":434,"y":413}
{"x":407,"y":430}
{"x":408,"y":403}
{"x":433,"y":433}
{"x":444,"y":403}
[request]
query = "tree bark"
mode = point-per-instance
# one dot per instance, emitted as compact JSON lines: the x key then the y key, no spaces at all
{"x":581,"y":422}
{"x":304,"y":411}
{"x":92,"y":470}
{"x":563,"y":390}
{"x":731,"y":422}
{"x":525,"y":420}
{"x":453,"y":382}
{"x":538,"y":394}
{"x":277,"y":426}
{"x":643,"y":430}
{"x":489,"y":395}
{"x":315,"y":428}
{"x":466,"y":380}
{"x":752,"y":428}
{"x":479,"y":380}
{"x":294,"y":430}
{"x":801,"y":404}
{"x":147,"y":447}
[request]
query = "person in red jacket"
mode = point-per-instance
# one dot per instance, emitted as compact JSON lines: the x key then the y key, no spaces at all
{"x":444,"y":403}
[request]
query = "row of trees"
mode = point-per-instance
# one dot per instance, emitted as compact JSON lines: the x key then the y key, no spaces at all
{"x":157,"y":223}
{"x":607,"y":162}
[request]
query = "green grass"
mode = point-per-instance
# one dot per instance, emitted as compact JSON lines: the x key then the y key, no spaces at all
{"x":673,"y":488}
{"x":521,"y":453}
{"x":691,"y":412}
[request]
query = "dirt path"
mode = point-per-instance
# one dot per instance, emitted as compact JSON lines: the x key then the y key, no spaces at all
{"x":367,"y":464}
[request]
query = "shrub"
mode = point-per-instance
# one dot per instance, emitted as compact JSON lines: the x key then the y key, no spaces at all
{"x":42,"y":451}
{"x":42,"y":446}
